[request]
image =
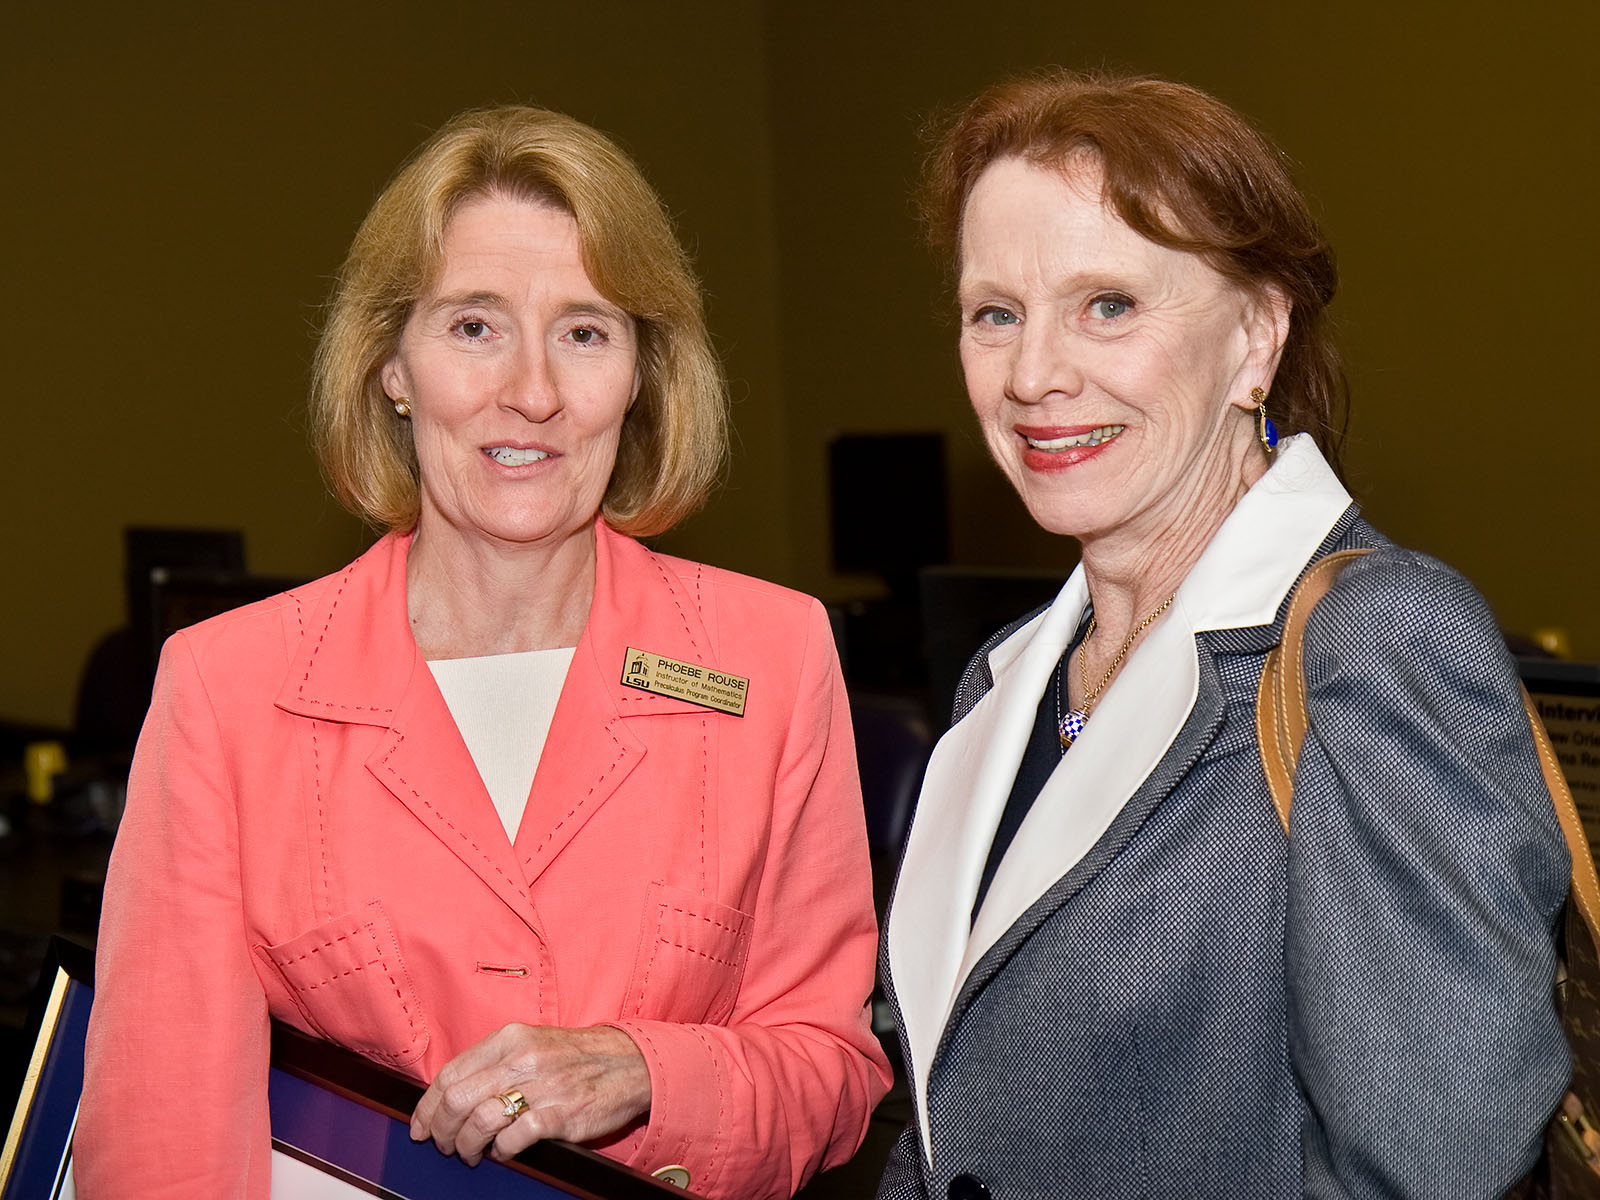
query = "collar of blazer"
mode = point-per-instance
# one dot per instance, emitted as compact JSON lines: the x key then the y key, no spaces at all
{"x":356,"y":660}
{"x":357,"y":664}
{"x":1239,"y":581}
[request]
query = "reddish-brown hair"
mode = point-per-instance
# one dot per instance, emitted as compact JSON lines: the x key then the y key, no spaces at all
{"x":1184,"y":170}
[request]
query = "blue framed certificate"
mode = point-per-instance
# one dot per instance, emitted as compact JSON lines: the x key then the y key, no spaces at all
{"x":36,"y":1158}
{"x":340,"y":1124}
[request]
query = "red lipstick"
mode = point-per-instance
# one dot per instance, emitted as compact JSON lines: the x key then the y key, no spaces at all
{"x":1046,"y":461}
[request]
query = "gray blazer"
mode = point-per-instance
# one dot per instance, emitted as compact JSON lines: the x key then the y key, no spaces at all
{"x":1202,"y":1008}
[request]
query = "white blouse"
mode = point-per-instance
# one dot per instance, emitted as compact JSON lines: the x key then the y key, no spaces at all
{"x":503,"y":705}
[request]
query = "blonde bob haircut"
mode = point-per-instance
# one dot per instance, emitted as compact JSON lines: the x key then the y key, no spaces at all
{"x":674,"y":438}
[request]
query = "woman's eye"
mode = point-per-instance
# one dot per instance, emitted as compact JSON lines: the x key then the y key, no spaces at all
{"x":473,"y":330}
{"x":1109,"y":308}
{"x":991,"y":315}
{"x":584,"y":335}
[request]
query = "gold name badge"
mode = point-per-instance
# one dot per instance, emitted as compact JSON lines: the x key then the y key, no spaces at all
{"x":689,"y":681}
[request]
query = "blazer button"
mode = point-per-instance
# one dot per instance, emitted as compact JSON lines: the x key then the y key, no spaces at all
{"x":968,"y":1187}
{"x":677,"y":1176}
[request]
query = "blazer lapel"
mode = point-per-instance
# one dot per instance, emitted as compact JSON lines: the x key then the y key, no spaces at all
{"x":595,"y":740}
{"x":1111,"y":778}
{"x":964,"y":792}
{"x":589,"y":752}
{"x":359,"y":665}
{"x":1196,"y":735}
{"x":426,"y":766}
{"x":1132,"y":730}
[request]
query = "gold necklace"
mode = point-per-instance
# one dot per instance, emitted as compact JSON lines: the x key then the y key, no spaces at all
{"x":1070,"y":725}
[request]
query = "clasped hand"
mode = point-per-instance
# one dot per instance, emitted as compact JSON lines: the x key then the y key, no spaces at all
{"x":579,"y":1084}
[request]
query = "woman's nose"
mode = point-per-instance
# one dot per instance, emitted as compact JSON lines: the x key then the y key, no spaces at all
{"x":1044,"y":364}
{"x":532,"y":388}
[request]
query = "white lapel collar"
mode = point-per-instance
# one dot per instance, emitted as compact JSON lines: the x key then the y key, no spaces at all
{"x":964,"y":792}
{"x":1239,"y":581}
{"x":1267,"y":540}
{"x":1132,"y":727}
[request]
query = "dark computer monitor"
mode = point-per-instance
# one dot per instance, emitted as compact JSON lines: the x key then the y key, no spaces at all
{"x":147,"y":549}
{"x":961,"y":606}
{"x":889,"y":504}
{"x":114,"y":685}
{"x":188,"y":596}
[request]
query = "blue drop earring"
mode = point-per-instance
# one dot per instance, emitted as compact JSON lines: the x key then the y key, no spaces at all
{"x":1266,"y":431}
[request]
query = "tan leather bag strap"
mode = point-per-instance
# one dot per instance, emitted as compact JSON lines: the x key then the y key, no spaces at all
{"x":1281,"y":728}
{"x":1281,"y":700}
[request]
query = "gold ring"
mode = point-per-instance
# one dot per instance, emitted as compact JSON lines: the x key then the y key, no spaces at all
{"x":515,"y":1104}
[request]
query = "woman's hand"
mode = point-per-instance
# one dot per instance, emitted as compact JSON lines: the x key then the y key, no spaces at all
{"x":579,"y":1084}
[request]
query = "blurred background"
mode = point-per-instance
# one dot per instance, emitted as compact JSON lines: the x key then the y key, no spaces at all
{"x":182,"y":180}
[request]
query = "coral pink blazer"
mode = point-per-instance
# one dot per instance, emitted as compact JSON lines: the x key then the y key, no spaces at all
{"x":306,"y":836}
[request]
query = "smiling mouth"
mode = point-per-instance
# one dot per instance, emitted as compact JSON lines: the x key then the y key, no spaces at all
{"x":1095,"y":437}
{"x":510,"y":456}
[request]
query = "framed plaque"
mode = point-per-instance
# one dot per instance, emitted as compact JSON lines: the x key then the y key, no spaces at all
{"x":340,"y":1123}
{"x":36,"y":1158}
{"x":344,"y":1118}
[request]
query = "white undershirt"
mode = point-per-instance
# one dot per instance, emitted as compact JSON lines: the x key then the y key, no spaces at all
{"x":503,"y":705}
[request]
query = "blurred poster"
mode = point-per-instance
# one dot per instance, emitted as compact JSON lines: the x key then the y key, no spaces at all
{"x":1567,"y":697}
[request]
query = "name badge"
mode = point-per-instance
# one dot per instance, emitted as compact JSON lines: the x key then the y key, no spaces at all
{"x":662,"y":676}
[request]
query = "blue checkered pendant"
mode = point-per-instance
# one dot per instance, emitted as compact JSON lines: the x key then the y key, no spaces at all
{"x":1071,"y":726}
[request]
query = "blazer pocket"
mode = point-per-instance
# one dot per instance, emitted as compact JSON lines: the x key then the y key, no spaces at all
{"x":691,"y":958}
{"x":352,"y":987}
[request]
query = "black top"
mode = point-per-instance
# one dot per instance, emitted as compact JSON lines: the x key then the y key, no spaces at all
{"x":1043,"y":752}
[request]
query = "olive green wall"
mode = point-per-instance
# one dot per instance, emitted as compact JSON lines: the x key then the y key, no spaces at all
{"x":182,"y":185}
{"x":1450,"y":148}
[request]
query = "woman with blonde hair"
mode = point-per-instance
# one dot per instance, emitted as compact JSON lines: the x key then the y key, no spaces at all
{"x":565,"y":827}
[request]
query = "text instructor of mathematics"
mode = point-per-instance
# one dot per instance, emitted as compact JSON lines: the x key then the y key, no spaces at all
{"x":414,"y":809}
{"x":1116,"y":976}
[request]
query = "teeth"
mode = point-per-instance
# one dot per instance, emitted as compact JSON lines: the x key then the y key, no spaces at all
{"x":1093,"y":438}
{"x":508,"y":456}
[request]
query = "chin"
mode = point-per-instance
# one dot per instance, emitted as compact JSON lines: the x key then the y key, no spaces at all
{"x":1064,"y":516}
{"x":541,"y":535}
{"x":1060,"y":527}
